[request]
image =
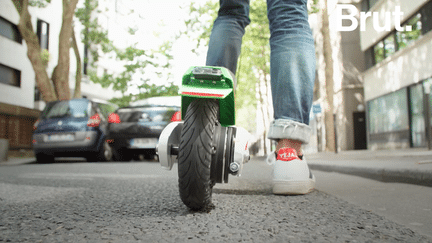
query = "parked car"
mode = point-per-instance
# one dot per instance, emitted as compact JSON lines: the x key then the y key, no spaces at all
{"x":141,"y":124}
{"x":73,"y":128}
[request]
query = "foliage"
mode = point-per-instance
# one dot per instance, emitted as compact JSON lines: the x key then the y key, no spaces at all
{"x":254,"y":47}
{"x":39,"y":3}
{"x":313,"y":6}
{"x":254,"y":61}
{"x":135,"y":61}
{"x":399,"y":40}
{"x":198,"y":27}
{"x":45,"y":57}
{"x":147,"y":91}
{"x":57,"y":86}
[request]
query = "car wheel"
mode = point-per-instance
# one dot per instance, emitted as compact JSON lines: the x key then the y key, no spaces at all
{"x":122,"y":155}
{"x":103,"y":155}
{"x":44,"y":158}
{"x":149,"y":155}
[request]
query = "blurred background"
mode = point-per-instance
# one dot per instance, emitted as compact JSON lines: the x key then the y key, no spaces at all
{"x":372,"y":87}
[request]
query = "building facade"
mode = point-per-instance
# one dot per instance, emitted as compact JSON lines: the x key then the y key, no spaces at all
{"x":348,"y":65}
{"x":20,"y":101}
{"x":399,"y":72}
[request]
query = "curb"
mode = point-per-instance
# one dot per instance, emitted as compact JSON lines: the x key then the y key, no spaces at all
{"x":416,"y":177}
{"x":17,"y":161}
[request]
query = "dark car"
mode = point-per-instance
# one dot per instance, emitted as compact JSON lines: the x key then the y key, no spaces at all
{"x":73,"y":128}
{"x":141,"y":124}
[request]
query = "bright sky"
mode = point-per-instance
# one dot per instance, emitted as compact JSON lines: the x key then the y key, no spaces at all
{"x":160,"y":20}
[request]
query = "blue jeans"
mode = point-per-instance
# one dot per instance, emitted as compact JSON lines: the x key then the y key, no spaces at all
{"x":292,"y":59}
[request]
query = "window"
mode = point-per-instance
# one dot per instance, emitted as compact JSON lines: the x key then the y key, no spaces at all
{"x":106,"y":109}
{"x":379,"y":52}
{"x":389,"y":113}
{"x":420,"y":22}
{"x":37,"y":94}
{"x":404,"y":38}
{"x":10,"y":76}
{"x":426,"y":18}
{"x":427,"y":84}
{"x":43,"y":33}
{"x":66,"y":108}
{"x":417,"y":116}
{"x":10,"y":31}
{"x":389,"y":45}
{"x":86,"y":60}
{"x":384,"y":48}
{"x":369,"y":57}
{"x":371,"y":3}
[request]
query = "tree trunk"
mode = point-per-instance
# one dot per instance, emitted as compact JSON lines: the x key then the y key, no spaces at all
{"x":327,"y":49}
{"x":78,"y":75}
{"x":34,"y":51}
{"x":263,"y":112}
{"x":60,"y":75}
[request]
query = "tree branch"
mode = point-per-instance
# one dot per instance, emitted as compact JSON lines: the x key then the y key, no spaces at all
{"x":34,"y":51}
{"x":78,"y":75}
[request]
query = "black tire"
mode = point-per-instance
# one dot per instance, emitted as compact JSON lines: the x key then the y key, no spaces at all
{"x":195,"y":154}
{"x":103,"y":155}
{"x":149,"y":154}
{"x":122,"y":155}
{"x":44,"y":158}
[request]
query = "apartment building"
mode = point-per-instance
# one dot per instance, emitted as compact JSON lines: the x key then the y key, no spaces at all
{"x":20,"y":101}
{"x":399,"y":72}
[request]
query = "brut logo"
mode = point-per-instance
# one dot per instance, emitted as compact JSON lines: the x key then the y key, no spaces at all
{"x":377,"y":25}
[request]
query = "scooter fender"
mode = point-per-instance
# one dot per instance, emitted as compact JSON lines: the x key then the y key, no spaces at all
{"x":210,"y":83}
{"x":167,"y":147}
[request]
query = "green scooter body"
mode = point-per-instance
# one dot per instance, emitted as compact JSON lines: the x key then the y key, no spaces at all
{"x":207,"y":82}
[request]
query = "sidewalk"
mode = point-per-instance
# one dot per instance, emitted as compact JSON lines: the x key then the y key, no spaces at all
{"x":19,"y":157}
{"x":413,"y":166}
{"x":18,"y":161}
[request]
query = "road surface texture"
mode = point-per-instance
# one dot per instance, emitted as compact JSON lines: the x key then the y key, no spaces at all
{"x":139,"y":202}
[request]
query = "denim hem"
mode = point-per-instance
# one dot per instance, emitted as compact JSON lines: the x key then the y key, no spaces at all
{"x":289,"y":129}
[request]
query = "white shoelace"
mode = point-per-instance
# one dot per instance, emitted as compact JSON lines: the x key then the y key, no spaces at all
{"x":286,"y":126}
{"x":271,"y":158}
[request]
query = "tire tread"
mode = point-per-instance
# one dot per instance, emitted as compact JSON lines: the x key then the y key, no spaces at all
{"x":194,"y":160}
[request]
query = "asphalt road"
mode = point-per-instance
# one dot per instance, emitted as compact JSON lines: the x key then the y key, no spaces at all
{"x":139,"y":201}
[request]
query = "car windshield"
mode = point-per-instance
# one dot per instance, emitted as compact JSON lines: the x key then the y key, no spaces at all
{"x":146,"y":114}
{"x":158,"y":101}
{"x":66,"y":108}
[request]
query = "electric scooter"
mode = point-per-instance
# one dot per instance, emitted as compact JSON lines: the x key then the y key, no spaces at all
{"x":206,"y":144}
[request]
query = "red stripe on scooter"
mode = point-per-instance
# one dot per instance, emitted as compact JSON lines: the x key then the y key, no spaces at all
{"x":202,"y":94}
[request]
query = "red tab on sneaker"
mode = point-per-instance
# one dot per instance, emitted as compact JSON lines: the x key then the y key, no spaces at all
{"x":287,"y":154}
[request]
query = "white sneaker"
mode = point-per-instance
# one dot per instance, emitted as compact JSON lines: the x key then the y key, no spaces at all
{"x":291,"y":175}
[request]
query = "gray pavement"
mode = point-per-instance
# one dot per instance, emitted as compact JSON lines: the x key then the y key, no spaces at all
{"x":17,"y":161}
{"x":412,"y":166}
{"x":139,"y":202}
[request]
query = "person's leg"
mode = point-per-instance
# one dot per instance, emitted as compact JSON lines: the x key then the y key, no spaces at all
{"x":292,"y":72}
{"x":226,"y":36}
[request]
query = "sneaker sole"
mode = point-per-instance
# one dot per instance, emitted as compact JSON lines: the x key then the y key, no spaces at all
{"x":293,"y":187}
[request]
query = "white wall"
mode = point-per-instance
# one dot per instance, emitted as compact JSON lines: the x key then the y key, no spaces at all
{"x":14,"y":55}
{"x":408,"y":66}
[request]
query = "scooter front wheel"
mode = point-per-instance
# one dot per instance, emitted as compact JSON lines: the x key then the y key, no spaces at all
{"x":195,"y":153}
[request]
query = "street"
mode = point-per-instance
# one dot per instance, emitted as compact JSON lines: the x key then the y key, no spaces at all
{"x":75,"y":201}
